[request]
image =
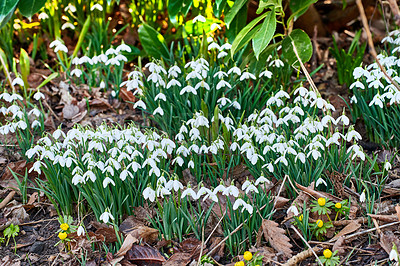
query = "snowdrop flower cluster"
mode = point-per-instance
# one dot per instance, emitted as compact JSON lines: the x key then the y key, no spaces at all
{"x":16,"y":115}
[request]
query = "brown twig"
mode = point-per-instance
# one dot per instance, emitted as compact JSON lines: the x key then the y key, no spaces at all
{"x":371,"y":43}
{"x":8,"y":198}
{"x":308,"y":245}
{"x":395,"y":9}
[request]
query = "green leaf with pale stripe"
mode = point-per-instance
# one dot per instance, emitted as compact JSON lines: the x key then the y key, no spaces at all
{"x":265,"y":34}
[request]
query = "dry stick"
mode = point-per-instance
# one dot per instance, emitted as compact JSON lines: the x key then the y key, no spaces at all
{"x":371,"y":43}
{"x":279,"y":192}
{"x":366,"y":231}
{"x":308,"y":245}
{"x":7,"y":73}
{"x":215,"y":228}
{"x":395,"y":9}
{"x":8,"y":198}
{"x":202,"y":245}
{"x":295,"y":260}
{"x":40,"y":221}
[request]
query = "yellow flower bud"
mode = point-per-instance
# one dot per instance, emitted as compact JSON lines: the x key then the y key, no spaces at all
{"x":321,"y":202}
{"x":62,"y":235}
{"x":327,"y":253}
{"x":319,"y":223}
{"x":64,"y":227}
{"x":239,"y":263}
{"x":338,"y":205}
{"x":247,"y":255}
{"x":301,"y":218}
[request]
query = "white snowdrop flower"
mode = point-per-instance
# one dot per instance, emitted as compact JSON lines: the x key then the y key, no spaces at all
{"x":301,"y":91}
{"x":393,"y":255}
{"x":36,"y":167}
{"x":262,"y":180}
{"x":85,"y":59}
{"x":246,"y":75}
{"x":162,"y":191}
{"x":67,"y":25}
{"x":77,"y":72}
{"x":58,"y":46}
{"x":174,"y":184}
{"x":107,"y":181}
{"x":96,"y":6}
{"x":277,"y":62}
{"x":352,"y":134}
{"x":235,"y":70}
{"x":226,"y":46}
{"x":362,"y":196}
{"x":159,"y":111}
{"x":102,"y":85}
{"x":70,"y":7}
{"x":387,"y":166}
{"x":266,"y":73}
{"x":320,"y":181}
{"x":210,"y":39}
{"x":18,"y":81}
{"x":199,"y":18}
{"x":358,"y":72}
{"x":251,"y":188}
{"x":353,"y":99}
{"x":345,"y":120}
{"x":231,"y":190}
{"x":106,"y":216}
{"x":188,"y":88}
{"x":80,"y":231}
{"x":189,"y":192}
{"x":377,"y":100}
{"x":43,"y":16}
{"x":281,"y":159}
{"x":202,"y":84}
{"x":223,"y":101}
{"x":121,"y":57}
{"x":220,"y":74}
{"x":149,"y":193}
{"x":238,"y":203}
{"x":78,"y":179}
{"x":75,"y":61}
{"x":111,"y":51}
{"x":191,"y":164}
{"x":38,"y":95}
{"x":178,"y":160}
{"x":113,"y":61}
{"x":236,"y":105}
{"x":58,"y":133}
{"x":357,"y":84}
{"x":141,"y":104}
{"x":222,"y":54}
{"x":35,"y":123}
{"x":123,"y":48}
{"x":173,"y":82}
{"x":222,"y":83}
{"x":213,"y":45}
{"x":215,"y":26}
{"x":293,"y":209}
{"x":21,"y":124}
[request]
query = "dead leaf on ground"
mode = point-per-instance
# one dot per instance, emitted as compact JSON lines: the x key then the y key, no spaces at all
{"x":318,"y":194}
{"x":218,"y":253}
{"x":387,"y":239}
{"x":180,"y":258}
{"x":384,"y":218}
{"x":269,"y":254}
{"x":70,"y":111}
{"x":143,"y":255}
{"x":127,"y":245}
{"x":339,"y":245}
{"x":276,"y":237}
{"x":350,"y":228}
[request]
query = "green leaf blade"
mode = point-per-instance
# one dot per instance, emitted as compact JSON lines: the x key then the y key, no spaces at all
{"x":29,"y":7}
{"x":263,"y":37}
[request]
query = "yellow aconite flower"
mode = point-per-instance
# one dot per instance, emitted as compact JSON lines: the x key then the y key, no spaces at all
{"x":64,"y":227}
{"x":338,"y":205}
{"x":62,"y":235}
{"x":327,"y":253}
{"x":319,"y":223}
{"x":321,"y":202}
{"x":247,"y":255}
{"x":301,"y":218}
{"x":239,"y":263}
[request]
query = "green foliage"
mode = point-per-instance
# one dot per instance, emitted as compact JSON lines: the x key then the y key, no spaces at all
{"x":264,"y":36}
{"x":303,"y":46}
{"x":346,"y":62}
{"x":11,"y":231}
{"x":153,"y":42}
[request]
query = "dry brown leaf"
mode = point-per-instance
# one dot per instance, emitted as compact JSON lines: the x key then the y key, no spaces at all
{"x":280,"y":202}
{"x":295,"y":260}
{"x":276,"y":237}
{"x":180,"y":258}
{"x":268,"y":253}
{"x":319,"y":194}
{"x":143,"y":255}
{"x":350,"y":228}
{"x":127,"y":245}
{"x":147,"y":234}
{"x":397,"y":208}
{"x":69,"y":111}
{"x":387,"y":239}
{"x":384,"y":218}
{"x":339,"y":245}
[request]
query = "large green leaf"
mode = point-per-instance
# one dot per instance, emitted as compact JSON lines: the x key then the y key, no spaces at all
{"x":237,"y":24}
{"x":265,"y":34}
{"x":233,"y":11}
{"x":303,"y":46}
{"x":153,"y":42}
{"x":246,"y":34}
{"x":29,"y":7}
{"x":265,"y":4}
{"x":178,"y":6}
{"x":7,"y":8}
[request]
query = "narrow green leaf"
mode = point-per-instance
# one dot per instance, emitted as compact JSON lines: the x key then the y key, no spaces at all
{"x":265,"y":34}
{"x":29,"y":7}
{"x":153,"y":42}
{"x":7,"y":8}
{"x":233,"y":11}
{"x":298,"y":8}
{"x":246,"y":34}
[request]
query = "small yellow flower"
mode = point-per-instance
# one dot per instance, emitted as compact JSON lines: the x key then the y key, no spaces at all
{"x":239,"y":263}
{"x":320,"y":223}
{"x":301,"y":218}
{"x":338,"y":205}
{"x":62,"y":235}
{"x":247,"y":255}
{"x":64,"y":227}
{"x":327,"y":253}
{"x":321,"y":202}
